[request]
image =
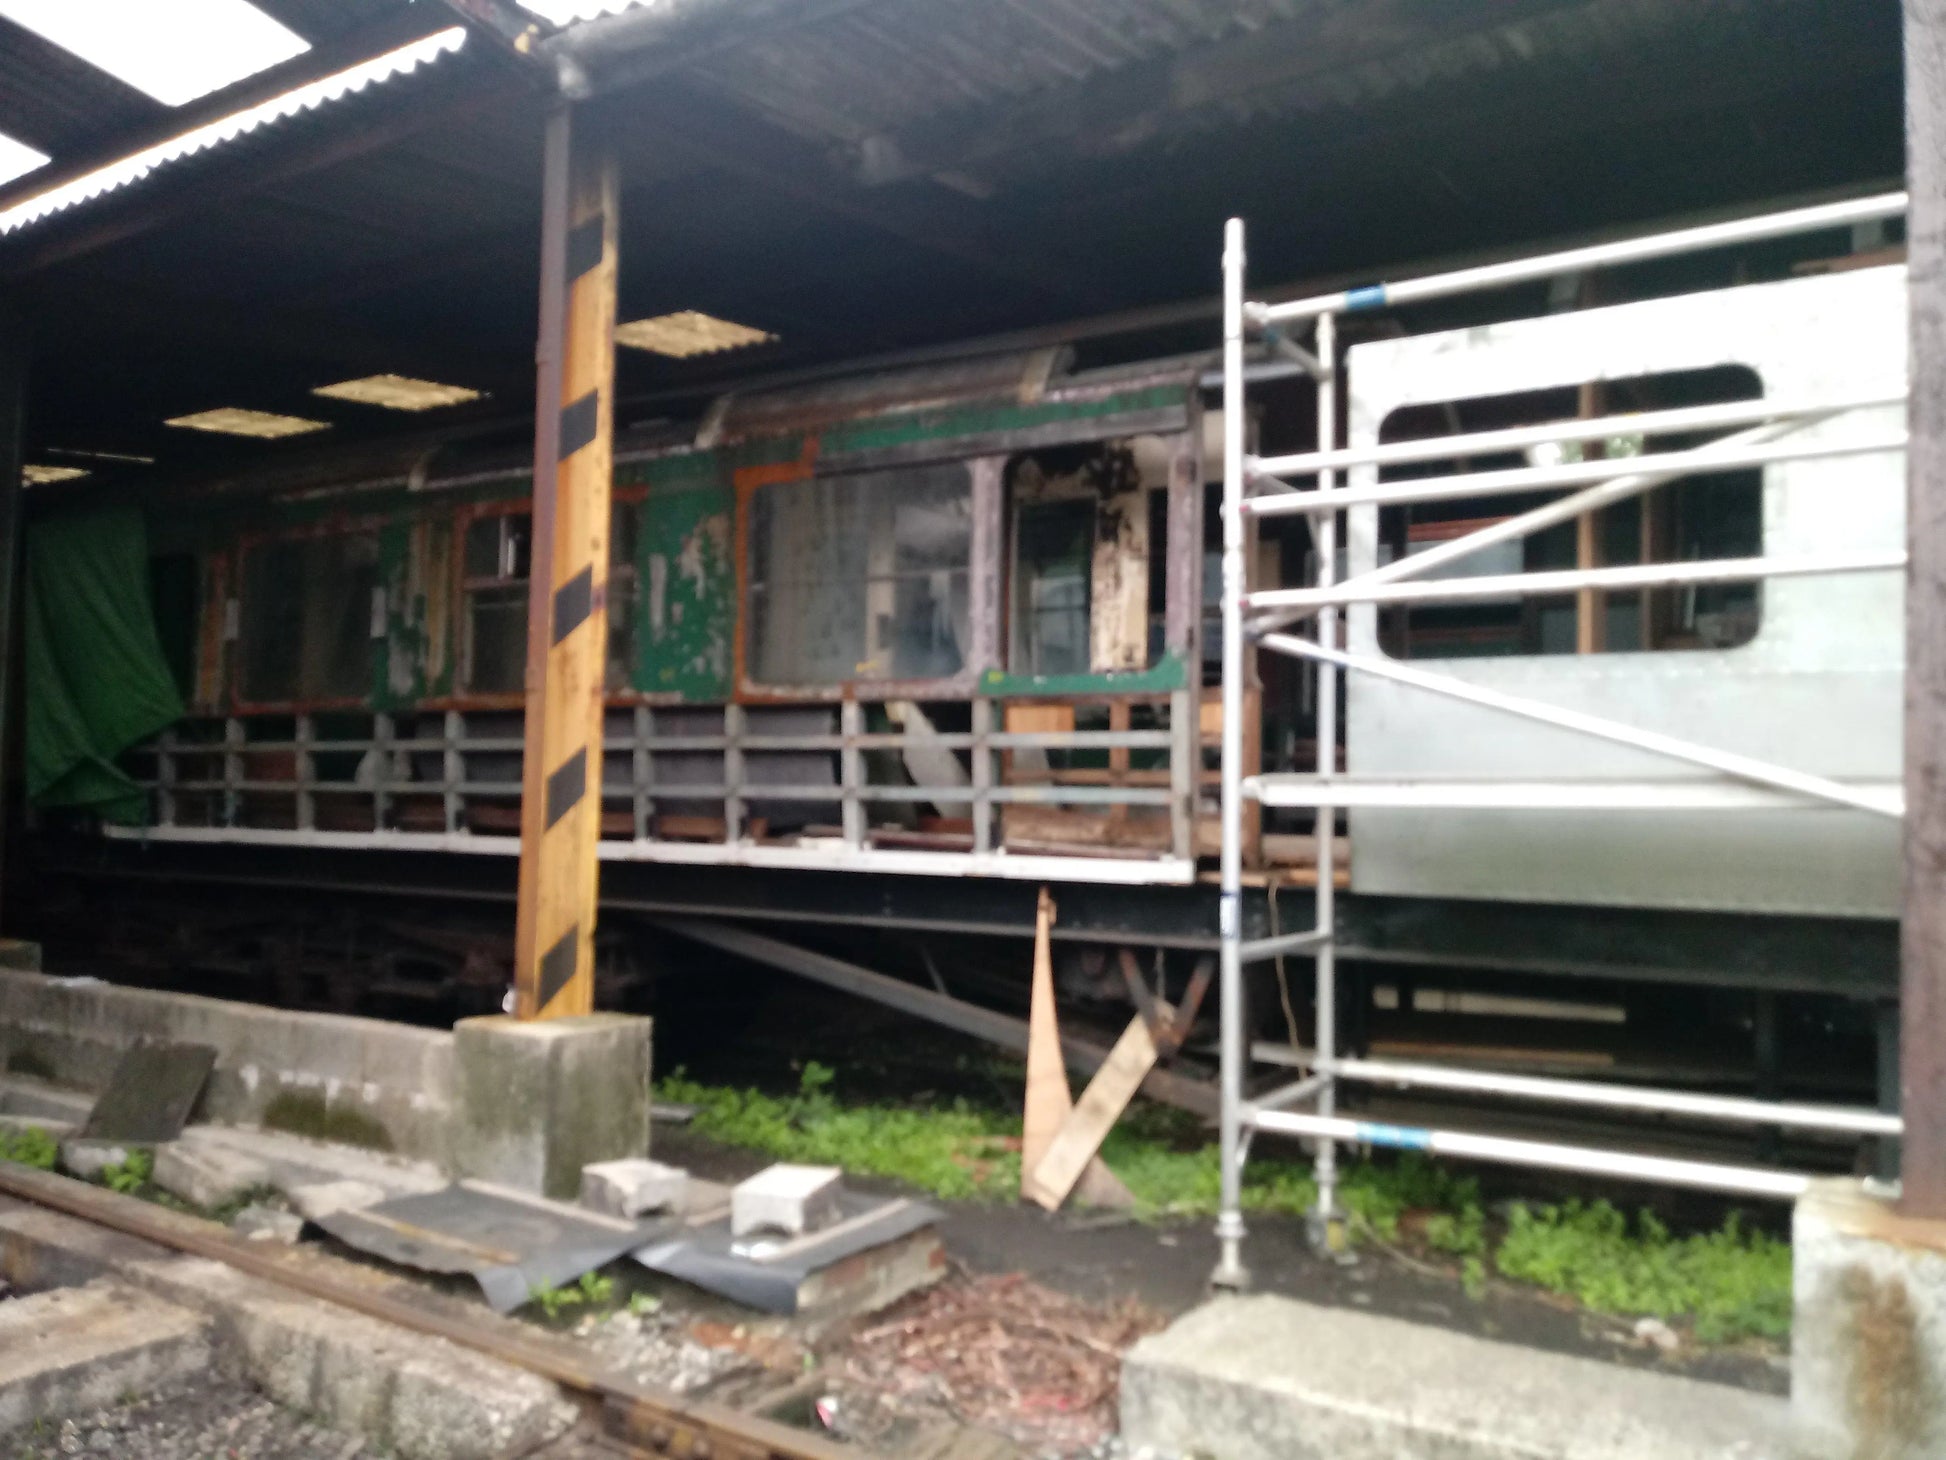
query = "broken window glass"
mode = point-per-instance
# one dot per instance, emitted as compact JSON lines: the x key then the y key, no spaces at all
{"x":498,"y":559}
{"x":307,"y":616}
{"x":861,"y":577}
{"x":1053,"y":571}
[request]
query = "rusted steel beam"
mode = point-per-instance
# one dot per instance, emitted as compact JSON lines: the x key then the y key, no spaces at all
{"x":1922,"y":1060}
{"x":567,"y":612}
{"x":513,"y":29}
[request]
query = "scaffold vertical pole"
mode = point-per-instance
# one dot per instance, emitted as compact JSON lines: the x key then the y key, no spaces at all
{"x":1230,"y":1271}
{"x":567,"y":615}
{"x":1325,"y":530}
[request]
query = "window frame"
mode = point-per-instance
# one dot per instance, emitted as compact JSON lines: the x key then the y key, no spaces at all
{"x":985,"y":590}
{"x":250,"y":542}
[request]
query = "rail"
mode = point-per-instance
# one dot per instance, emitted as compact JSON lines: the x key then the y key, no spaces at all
{"x":652,"y":1421}
{"x":1257,"y":489}
{"x":807,"y":786}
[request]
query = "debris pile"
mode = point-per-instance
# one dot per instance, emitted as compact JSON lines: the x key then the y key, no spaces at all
{"x":1007,"y":1355}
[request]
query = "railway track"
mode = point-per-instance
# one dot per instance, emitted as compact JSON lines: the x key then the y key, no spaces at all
{"x":634,"y":1419}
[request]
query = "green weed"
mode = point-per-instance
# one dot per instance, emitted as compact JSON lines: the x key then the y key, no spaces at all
{"x":130,"y":1176}
{"x":592,"y":1291}
{"x":30,"y":1146}
{"x":1732,"y":1282}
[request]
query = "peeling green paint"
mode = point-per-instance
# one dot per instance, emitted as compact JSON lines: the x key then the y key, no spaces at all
{"x":687,"y":605}
{"x":1164,"y":675}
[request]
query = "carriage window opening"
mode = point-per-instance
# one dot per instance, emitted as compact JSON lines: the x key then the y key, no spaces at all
{"x":175,"y":597}
{"x":499,"y":552}
{"x":1053,"y":571}
{"x":498,"y":556}
{"x":307,"y":610}
{"x":1692,"y":519}
{"x":860,"y":577}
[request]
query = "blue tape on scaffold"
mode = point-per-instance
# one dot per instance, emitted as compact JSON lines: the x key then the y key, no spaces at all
{"x":1371,"y":296}
{"x":1400,"y":1137}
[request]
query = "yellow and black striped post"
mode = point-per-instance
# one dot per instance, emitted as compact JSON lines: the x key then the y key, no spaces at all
{"x":567,"y":612}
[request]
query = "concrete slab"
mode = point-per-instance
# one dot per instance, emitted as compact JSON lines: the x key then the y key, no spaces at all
{"x":294,"y":1161}
{"x":23,"y":1095}
{"x":76,"y":1350}
{"x":88,"y":1158}
{"x":422,"y":1398}
{"x":1868,"y":1334}
{"x":1268,"y":1378}
{"x":536,"y":1101}
{"x":207,"y":1176}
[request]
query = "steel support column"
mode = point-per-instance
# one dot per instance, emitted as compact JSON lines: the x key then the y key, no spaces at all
{"x":13,"y":410}
{"x":567,"y":614}
{"x":1922,"y":1065}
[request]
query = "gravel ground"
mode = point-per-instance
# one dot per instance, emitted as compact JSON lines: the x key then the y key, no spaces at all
{"x":214,"y":1418}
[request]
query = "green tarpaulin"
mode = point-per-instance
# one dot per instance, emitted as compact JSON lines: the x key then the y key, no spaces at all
{"x":97,"y":681}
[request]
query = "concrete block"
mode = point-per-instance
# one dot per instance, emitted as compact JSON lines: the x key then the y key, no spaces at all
{"x":631,"y":1187}
{"x":786,"y":1198}
{"x":327,"y":1198}
{"x":536,"y":1101}
{"x":1868,"y":1333}
{"x":88,"y":1159}
{"x":1265,"y":1378}
{"x":267,"y":1224}
{"x":22,"y":1095}
{"x":54,"y":1130}
{"x":207,"y":1176}
{"x":300,"y":1161}
{"x":76,"y":1350}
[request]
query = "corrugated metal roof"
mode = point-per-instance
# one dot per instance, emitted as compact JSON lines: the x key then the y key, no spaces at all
{"x":210,"y":135}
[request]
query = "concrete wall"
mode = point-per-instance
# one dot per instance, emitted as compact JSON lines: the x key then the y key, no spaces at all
{"x":357,"y":1081}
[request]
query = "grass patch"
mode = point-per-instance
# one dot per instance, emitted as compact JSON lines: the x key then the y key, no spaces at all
{"x":1731,"y":1283}
{"x":30,"y":1146}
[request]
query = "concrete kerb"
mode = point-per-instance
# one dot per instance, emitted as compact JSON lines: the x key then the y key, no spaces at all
{"x":1265,"y":1378}
{"x":359,"y":1081}
{"x":80,"y":1349}
{"x":423,"y":1397}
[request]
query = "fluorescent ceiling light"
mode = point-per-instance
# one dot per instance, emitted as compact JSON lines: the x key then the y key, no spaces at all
{"x":175,"y":52}
{"x":566,"y":12}
{"x":687,"y":333}
{"x":398,"y":393}
{"x":45,"y":476}
{"x":138,"y":165}
{"x":17,"y":159}
{"x":235,"y":421}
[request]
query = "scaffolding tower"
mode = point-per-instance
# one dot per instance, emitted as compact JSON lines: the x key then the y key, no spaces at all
{"x":1759,"y":433}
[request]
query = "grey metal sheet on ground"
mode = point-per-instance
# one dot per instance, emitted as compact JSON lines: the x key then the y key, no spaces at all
{"x":508,"y":1242}
{"x":149,"y":1098}
{"x":769,"y":1279}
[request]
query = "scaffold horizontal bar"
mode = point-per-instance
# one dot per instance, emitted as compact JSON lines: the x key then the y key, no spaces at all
{"x":1351,"y":793}
{"x":1664,"y":1170}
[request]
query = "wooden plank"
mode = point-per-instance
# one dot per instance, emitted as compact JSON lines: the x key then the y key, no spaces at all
{"x":1048,"y":1098}
{"x":1049,"y":1180}
{"x":567,"y":616}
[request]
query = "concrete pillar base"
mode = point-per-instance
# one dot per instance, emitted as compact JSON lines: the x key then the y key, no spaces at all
{"x":537,"y":1101}
{"x":1868,"y":1340}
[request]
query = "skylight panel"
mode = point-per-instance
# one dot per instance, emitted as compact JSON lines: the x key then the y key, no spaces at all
{"x":174,"y":52}
{"x":17,"y":159}
{"x":688,"y":332}
{"x":36,"y":475}
{"x":398,"y":393}
{"x":236,"y":421}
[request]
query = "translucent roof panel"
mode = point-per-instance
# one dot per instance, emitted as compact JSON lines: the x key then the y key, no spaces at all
{"x":174,"y":51}
{"x":17,"y":159}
